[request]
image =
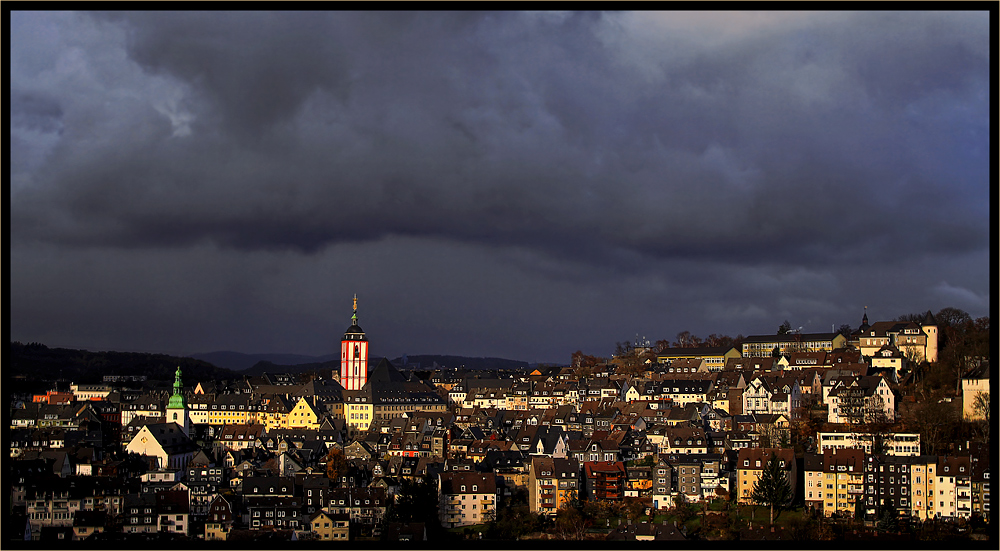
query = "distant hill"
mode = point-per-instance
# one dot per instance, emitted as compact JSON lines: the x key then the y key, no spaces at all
{"x":427,"y":361}
{"x":37,"y":361}
{"x":327,"y":367}
{"x":237,"y":361}
{"x":422,"y":362}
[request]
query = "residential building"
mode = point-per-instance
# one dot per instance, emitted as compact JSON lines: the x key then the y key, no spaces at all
{"x":814,"y":487}
{"x":466,"y":498}
{"x":860,"y":400}
{"x":173,"y":511}
{"x":750,"y":462}
{"x":887,"y":486}
{"x":552,"y":484}
{"x":328,"y":527}
{"x":894,"y":443}
{"x":772,"y":394}
{"x":916,"y":340}
{"x":843,"y":481}
{"x":604,"y":480}
{"x":662,"y":474}
{"x":923,"y":475}
{"x":219,"y":520}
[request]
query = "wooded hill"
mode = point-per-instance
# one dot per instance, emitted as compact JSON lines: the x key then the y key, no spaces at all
{"x":36,"y":361}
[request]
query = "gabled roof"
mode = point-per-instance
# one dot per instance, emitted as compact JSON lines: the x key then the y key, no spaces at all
{"x":385,"y":372}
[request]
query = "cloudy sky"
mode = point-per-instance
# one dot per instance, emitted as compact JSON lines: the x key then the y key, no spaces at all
{"x":519,"y":185}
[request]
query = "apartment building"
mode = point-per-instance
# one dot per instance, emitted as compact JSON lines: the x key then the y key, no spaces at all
{"x":552,"y":484}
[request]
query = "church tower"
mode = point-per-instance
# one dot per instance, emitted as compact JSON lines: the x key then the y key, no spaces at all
{"x":177,"y":411}
{"x":354,"y":355}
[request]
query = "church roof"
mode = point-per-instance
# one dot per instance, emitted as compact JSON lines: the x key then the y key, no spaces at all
{"x":384,"y":372}
{"x":355,"y":333}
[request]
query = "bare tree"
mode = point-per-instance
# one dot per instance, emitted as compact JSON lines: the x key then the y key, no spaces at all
{"x":686,"y":340}
{"x":570,"y":524}
{"x":934,"y":418}
{"x":981,"y":408}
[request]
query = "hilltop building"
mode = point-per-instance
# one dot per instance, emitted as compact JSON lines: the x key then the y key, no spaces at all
{"x":917,"y":341}
{"x":766,"y":345}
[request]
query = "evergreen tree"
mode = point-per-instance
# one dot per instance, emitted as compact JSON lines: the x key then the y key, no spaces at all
{"x":772,"y":488}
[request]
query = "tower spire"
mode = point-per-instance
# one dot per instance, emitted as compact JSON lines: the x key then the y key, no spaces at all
{"x":354,"y":354}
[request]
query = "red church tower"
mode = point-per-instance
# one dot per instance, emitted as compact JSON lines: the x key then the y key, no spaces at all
{"x":354,"y":355}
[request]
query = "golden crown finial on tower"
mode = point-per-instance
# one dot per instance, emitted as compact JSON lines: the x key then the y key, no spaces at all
{"x":355,"y":302}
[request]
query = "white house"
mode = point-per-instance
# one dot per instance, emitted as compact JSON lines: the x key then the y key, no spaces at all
{"x":166,"y":442}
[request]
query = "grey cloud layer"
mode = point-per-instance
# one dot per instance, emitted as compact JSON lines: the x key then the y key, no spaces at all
{"x":310,"y":129}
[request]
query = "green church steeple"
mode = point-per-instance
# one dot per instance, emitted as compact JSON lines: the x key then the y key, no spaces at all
{"x":177,"y":400}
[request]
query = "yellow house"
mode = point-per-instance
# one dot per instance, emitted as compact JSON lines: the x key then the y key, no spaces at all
{"x":328,"y":527}
{"x":552,"y":484}
{"x":232,"y":409}
{"x":304,"y":416}
{"x":843,"y":480}
{"x":750,"y":463}
{"x":812,"y":470}
{"x":922,"y":474}
{"x":358,"y":410}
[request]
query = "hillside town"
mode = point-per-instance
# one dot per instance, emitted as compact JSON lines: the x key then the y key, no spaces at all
{"x":863,"y":432}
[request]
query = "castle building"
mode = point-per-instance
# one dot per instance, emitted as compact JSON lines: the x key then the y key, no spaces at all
{"x":916,"y":340}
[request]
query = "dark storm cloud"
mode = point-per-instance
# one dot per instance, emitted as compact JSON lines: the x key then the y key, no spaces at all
{"x":740,"y":160}
{"x":310,"y":129}
{"x":35,"y":112}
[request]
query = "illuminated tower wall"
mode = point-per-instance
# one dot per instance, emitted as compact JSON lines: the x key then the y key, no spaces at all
{"x":354,"y":355}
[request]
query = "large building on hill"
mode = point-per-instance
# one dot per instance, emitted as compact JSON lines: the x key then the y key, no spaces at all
{"x":715,"y":357}
{"x":918,"y":341}
{"x":766,"y":345}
